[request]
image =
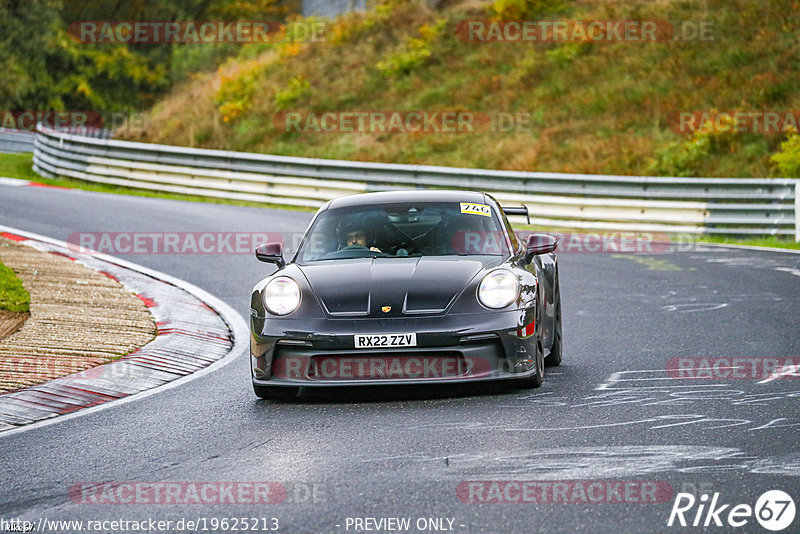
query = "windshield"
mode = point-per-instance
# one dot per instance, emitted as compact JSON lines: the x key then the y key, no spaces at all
{"x":402,"y":230}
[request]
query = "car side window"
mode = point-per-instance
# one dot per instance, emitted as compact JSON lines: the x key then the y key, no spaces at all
{"x":323,"y":241}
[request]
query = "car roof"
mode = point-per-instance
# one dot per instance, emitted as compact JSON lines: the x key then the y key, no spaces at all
{"x":390,"y":197}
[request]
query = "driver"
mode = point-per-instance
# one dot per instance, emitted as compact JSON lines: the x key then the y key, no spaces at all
{"x":354,"y":234}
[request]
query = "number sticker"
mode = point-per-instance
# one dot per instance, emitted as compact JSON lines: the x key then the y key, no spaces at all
{"x":476,"y":209}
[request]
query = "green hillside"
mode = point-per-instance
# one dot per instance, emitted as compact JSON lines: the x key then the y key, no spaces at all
{"x":591,"y":106}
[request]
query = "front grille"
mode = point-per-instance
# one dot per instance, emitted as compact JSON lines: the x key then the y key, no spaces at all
{"x":420,"y":363}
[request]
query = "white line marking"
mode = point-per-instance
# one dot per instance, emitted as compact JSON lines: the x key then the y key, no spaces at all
{"x":789,"y":270}
{"x":16,"y":182}
{"x":686,"y":308}
{"x":612,"y":383}
{"x":786,"y":370}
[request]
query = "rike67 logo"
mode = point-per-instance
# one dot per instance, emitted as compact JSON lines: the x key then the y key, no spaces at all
{"x":774,"y":510}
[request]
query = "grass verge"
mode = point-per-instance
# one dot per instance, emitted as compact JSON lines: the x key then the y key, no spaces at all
{"x":773,"y":242}
{"x":18,"y":166}
{"x":769,"y":242}
{"x":13,"y":296}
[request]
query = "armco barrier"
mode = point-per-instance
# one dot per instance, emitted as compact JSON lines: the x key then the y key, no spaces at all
{"x":14,"y":141}
{"x":17,"y":141}
{"x":755,"y":206}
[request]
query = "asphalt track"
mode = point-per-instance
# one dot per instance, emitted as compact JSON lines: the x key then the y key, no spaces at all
{"x":610,"y":413}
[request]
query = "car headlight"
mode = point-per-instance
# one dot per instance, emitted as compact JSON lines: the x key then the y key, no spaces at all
{"x":498,"y":289}
{"x":282,"y":295}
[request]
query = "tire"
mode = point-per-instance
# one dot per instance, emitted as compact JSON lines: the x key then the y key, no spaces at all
{"x":536,"y":379}
{"x":276,"y":392}
{"x":554,"y":358}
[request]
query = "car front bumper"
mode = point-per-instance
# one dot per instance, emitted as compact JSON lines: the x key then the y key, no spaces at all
{"x":450,"y":349}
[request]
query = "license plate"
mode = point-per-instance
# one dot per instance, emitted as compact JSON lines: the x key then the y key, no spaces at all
{"x":385,"y":340}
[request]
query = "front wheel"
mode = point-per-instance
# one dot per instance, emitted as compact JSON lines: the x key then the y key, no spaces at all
{"x":276,"y":392}
{"x":536,"y":379}
{"x":554,"y":358}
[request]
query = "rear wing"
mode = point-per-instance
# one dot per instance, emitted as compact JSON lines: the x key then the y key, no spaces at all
{"x":522,"y":210}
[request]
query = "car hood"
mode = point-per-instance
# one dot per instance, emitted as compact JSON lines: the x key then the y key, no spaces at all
{"x":408,"y":286}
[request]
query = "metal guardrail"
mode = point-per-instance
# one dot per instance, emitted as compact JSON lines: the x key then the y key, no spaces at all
{"x":733,"y":206}
{"x":16,"y":141}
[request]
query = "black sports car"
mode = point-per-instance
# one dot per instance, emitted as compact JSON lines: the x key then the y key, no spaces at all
{"x":406,"y":287}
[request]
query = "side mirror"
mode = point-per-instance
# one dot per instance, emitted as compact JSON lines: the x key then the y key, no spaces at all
{"x":271,"y":253}
{"x":539,"y":244}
